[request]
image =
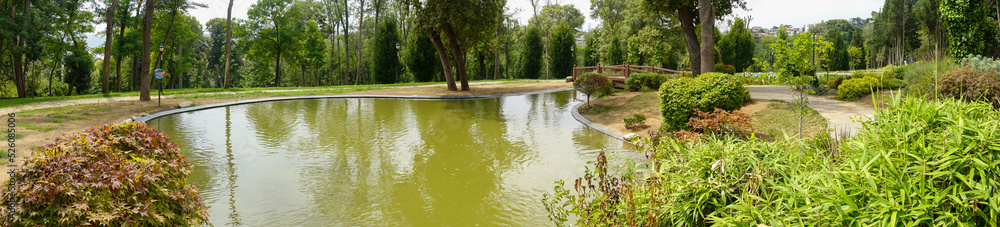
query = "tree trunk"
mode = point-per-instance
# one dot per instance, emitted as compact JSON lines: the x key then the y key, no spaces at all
{"x":118,"y":64}
{"x":445,"y":64}
{"x":229,"y":41}
{"x":147,"y":21}
{"x":707,"y":15}
{"x":361,"y":22}
{"x":459,"y":55}
{"x":347,"y":49}
{"x":109,"y":31}
{"x":16,"y":61}
{"x":277,"y":66}
{"x":690,"y":38}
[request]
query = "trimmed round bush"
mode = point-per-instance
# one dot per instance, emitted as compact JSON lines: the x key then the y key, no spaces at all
{"x":852,"y":89}
{"x":678,"y":98}
{"x":113,"y":175}
{"x":971,"y":85}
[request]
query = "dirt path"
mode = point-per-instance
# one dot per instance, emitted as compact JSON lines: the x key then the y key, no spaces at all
{"x":844,"y":117}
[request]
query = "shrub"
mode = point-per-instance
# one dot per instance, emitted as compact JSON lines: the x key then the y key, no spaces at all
{"x":981,"y":64}
{"x":834,"y":83}
{"x":114,"y":175}
{"x":591,"y":83}
{"x":892,"y":83}
{"x":919,"y":77}
{"x":852,"y":89}
{"x":678,"y":98}
{"x":727,"y":69}
{"x":968,"y":84}
{"x":638,"y":81}
{"x":718,"y":123}
{"x":635,"y":122}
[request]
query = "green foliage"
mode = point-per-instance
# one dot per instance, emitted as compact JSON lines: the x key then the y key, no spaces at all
{"x":921,"y":164}
{"x":834,"y":83}
{"x":613,"y":53}
{"x":422,"y":59}
{"x":971,"y":85}
{"x":919,"y":77}
{"x":968,"y":25}
{"x":590,"y":54}
{"x":796,"y":59}
{"x":635,"y":121}
{"x":114,"y":175}
{"x":385,"y":61}
{"x":531,"y":53}
{"x":852,"y":89}
{"x":737,"y":46}
{"x":651,"y":81}
{"x":678,"y":98}
{"x":591,"y":83}
{"x":79,"y":65}
{"x":562,"y":57}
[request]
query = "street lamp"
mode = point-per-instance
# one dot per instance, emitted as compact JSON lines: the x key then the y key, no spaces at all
{"x":159,"y":76}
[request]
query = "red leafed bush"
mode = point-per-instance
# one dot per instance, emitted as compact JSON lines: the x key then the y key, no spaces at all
{"x":114,"y":175}
{"x":970,"y":85}
{"x":719,"y":122}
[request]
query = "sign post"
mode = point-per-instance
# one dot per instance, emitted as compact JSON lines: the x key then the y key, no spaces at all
{"x":159,"y":79}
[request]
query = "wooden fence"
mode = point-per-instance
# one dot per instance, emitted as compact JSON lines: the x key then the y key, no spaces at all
{"x":621,"y":72}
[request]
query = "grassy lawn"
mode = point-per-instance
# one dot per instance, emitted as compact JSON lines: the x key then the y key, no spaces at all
{"x":255,"y":92}
{"x":779,"y":119}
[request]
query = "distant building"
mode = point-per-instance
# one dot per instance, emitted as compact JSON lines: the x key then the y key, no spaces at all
{"x":580,"y":41}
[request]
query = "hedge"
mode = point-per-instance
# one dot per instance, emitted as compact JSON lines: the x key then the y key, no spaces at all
{"x":852,"y":89}
{"x":639,"y":81}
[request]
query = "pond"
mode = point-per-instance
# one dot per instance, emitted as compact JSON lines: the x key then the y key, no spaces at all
{"x":384,"y":162}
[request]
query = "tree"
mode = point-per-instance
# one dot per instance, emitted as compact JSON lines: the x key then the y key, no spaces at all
{"x":561,"y":42}
{"x":708,"y":11}
{"x":110,"y":20}
{"x":421,"y":59}
{"x":967,"y":23}
{"x":147,"y":21}
{"x":796,"y":59}
{"x":229,"y":40}
{"x":613,"y":53}
{"x":591,"y":83}
{"x":737,"y":46}
{"x":590,"y":54}
{"x":385,"y":62}
{"x":531,"y":53}
{"x":79,"y":64}
{"x":313,"y":45}
{"x":464,"y":22}
{"x":216,"y":43}
{"x":272,"y":28}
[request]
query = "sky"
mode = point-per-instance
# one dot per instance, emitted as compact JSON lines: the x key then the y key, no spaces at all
{"x":764,"y":13}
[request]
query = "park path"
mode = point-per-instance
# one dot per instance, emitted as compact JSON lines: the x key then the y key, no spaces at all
{"x":843,"y":117}
{"x":70,"y":102}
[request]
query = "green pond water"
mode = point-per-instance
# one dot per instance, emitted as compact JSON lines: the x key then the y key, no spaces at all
{"x":385,"y":162}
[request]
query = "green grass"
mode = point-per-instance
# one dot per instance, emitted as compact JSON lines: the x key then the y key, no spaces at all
{"x":597,"y":109}
{"x":78,"y":118}
{"x":304,"y":90}
{"x":45,"y":128}
{"x":54,"y":120}
{"x":779,"y":119}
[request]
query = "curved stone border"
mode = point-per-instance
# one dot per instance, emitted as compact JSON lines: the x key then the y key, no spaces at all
{"x":426,"y":97}
{"x":595,"y":126}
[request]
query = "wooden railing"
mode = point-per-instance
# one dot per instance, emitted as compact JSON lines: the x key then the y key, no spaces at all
{"x":622,"y":72}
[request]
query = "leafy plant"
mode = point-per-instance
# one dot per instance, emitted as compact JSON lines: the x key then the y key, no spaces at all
{"x":113,"y":175}
{"x":678,"y":98}
{"x":967,"y":84}
{"x":717,"y":123}
{"x":635,"y":121}
{"x":639,"y":81}
{"x":591,"y":83}
{"x":852,"y":89}
{"x":980,"y":63}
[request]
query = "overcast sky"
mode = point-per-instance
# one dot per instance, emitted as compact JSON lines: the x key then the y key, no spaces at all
{"x":765,"y":13}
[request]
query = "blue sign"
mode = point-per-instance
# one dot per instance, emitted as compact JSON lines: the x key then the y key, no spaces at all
{"x":159,"y":73}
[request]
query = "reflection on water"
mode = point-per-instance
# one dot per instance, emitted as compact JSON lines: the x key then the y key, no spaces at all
{"x":384,"y":162}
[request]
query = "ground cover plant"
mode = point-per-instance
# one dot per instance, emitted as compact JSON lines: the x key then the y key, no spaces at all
{"x":923,"y":163}
{"x":113,"y":175}
{"x":636,"y":121}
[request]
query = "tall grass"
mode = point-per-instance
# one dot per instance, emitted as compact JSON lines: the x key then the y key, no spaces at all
{"x":921,"y":163}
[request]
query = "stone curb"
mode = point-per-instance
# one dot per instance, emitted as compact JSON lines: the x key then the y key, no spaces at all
{"x":595,"y":126}
{"x":424,"y":97}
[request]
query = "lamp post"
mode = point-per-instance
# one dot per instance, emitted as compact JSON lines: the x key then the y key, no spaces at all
{"x":159,"y":77}
{"x":398,"y":77}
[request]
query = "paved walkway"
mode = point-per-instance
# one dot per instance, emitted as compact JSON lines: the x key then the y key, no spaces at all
{"x":842,"y":116}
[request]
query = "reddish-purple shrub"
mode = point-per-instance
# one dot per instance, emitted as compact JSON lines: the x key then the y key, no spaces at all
{"x":113,"y":175}
{"x":971,"y":85}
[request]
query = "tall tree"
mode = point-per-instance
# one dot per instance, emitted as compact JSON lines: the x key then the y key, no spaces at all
{"x":229,"y":40}
{"x":737,"y":46}
{"x":531,"y":54}
{"x":706,"y":13}
{"x":110,"y":16}
{"x":464,"y":22}
{"x":684,"y":11}
{"x":385,"y":61}
{"x":147,"y":24}
{"x":272,"y":28}
{"x":560,"y":47}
